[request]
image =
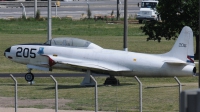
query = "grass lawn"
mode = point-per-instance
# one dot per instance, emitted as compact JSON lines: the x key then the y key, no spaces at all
{"x":159,"y":94}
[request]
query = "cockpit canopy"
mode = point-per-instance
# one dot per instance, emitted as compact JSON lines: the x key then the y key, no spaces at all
{"x":71,"y":42}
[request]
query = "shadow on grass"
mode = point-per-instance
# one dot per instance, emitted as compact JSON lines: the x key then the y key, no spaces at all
{"x":65,"y":87}
{"x":161,"y":86}
{"x":26,"y":84}
{"x":79,"y":86}
{"x":51,"y":86}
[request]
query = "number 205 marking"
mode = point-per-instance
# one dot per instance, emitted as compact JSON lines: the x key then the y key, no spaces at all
{"x":25,"y":52}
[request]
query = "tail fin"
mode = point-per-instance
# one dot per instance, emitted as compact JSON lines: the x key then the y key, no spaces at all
{"x":183,"y":49}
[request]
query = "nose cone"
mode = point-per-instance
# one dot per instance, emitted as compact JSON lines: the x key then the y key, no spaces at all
{"x":7,"y":51}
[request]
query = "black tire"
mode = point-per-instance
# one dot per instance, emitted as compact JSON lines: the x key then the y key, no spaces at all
{"x":111,"y":81}
{"x":29,"y":77}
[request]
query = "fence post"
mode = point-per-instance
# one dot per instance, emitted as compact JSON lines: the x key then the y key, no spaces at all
{"x":179,"y":83}
{"x":96,"y":94}
{"x":56,"y":93}
{"x":15,"y":91}
{"x":56,"y":10}
{"x":180,"y":88}
{"x":140,"y":84}
{"x":23,"y":10}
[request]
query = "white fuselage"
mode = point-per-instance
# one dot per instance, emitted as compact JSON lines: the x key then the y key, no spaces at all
{"x":82,"y":55}
{"x":124,"y":63}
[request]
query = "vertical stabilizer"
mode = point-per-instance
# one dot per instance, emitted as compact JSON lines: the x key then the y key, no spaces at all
{"x":183,"y":49}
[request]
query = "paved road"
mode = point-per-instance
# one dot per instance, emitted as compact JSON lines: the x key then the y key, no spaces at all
{"x":48,"y":74}
{"x":74,"y":9}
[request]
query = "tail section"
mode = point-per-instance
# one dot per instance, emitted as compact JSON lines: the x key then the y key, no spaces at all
{"x":183,"y":49}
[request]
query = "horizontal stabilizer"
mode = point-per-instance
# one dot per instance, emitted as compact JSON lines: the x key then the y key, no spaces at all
{"x":175,"y":62}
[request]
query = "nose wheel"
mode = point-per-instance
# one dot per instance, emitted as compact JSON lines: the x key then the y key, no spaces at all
{"x":29,"y":77}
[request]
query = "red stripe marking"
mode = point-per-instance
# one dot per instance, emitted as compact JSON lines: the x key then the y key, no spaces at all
{"x":51,"y":62}
{"x":190,"y":59}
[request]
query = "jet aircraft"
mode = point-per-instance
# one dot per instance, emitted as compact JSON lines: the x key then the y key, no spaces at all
{"x":83,"y":55}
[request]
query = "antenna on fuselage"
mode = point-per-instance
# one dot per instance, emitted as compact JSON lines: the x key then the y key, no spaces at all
{"x":49,"y":21}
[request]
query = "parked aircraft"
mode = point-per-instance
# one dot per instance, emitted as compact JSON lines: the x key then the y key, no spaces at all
{"x":82,"y":55}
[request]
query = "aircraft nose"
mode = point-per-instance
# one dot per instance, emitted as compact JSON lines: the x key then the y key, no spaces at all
{"x":7,"y":50}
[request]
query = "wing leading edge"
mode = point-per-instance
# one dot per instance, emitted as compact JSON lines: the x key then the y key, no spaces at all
{"x":89,"y":64}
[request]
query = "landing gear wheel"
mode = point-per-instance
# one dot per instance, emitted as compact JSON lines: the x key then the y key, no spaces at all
{"x":29,"y":77}
{"x":111,"y":81}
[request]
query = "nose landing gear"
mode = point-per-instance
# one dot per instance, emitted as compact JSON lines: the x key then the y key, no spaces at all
{"x":29,"y":77}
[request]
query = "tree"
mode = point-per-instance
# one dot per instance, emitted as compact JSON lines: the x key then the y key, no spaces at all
{"x":175,"y":14}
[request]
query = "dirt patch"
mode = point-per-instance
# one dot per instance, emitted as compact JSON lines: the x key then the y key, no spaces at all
{"x":34,"y":103}
{"x":37,"y":110}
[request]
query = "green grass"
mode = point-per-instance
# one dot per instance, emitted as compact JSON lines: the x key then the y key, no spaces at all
{"x":159,"y":94}
{"x":66,"y":27}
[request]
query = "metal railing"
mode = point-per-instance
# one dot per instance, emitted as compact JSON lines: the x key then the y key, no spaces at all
{"x":96,"y":96}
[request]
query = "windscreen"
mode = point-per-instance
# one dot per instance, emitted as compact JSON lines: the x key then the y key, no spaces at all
{"x":149,"y":4}
{"x":68,"y":42}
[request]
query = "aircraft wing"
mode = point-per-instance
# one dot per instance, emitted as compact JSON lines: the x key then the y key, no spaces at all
{"x":92,"y":64}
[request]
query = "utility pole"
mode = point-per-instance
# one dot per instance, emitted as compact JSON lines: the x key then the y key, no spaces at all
{"x":35,"y":8}
{"x":125,"y":26}
{"x":49,"y":21}
{"x":117,"y":9}
{"x":199,"y":42}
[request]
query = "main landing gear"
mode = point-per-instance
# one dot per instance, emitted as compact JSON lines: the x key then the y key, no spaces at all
{"x":29,"y":77}
{"x":111,"y":81}
{"x":87,"y":81}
